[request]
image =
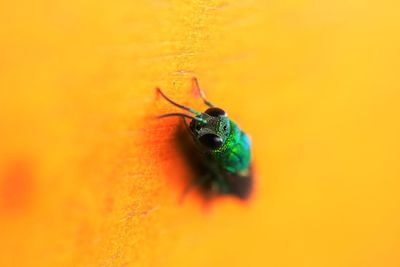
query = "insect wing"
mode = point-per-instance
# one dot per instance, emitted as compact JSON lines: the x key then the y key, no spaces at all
{"x":240,"y":184}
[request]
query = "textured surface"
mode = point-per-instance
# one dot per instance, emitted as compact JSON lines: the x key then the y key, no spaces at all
{"x":87,"y":178}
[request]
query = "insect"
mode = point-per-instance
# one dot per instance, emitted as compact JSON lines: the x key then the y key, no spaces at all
{"x":223,"y":148}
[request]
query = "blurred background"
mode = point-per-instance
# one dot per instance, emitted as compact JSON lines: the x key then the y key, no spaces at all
{"x":89,"y":178}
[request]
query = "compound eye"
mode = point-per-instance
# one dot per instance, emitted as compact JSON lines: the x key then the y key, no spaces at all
{"x":216,"y":112}
{"x":211,"y":141}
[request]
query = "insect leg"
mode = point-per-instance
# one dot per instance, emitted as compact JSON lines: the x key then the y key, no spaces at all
{"x":196,"y":86}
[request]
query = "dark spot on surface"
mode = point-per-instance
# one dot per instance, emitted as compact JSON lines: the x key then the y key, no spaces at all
{"x":108,"y":205}
{"x":16,"y":186}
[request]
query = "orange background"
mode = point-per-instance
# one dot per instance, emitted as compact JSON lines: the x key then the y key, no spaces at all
{"x":88,"y":178}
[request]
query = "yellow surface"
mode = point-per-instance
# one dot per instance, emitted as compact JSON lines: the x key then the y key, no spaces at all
{"x":88,"y":178}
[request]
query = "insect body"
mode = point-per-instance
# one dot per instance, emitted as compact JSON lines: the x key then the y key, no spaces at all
{"x":224,"y":148}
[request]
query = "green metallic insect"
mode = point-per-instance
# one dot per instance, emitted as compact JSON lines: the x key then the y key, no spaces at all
{"x":223,"y":148}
